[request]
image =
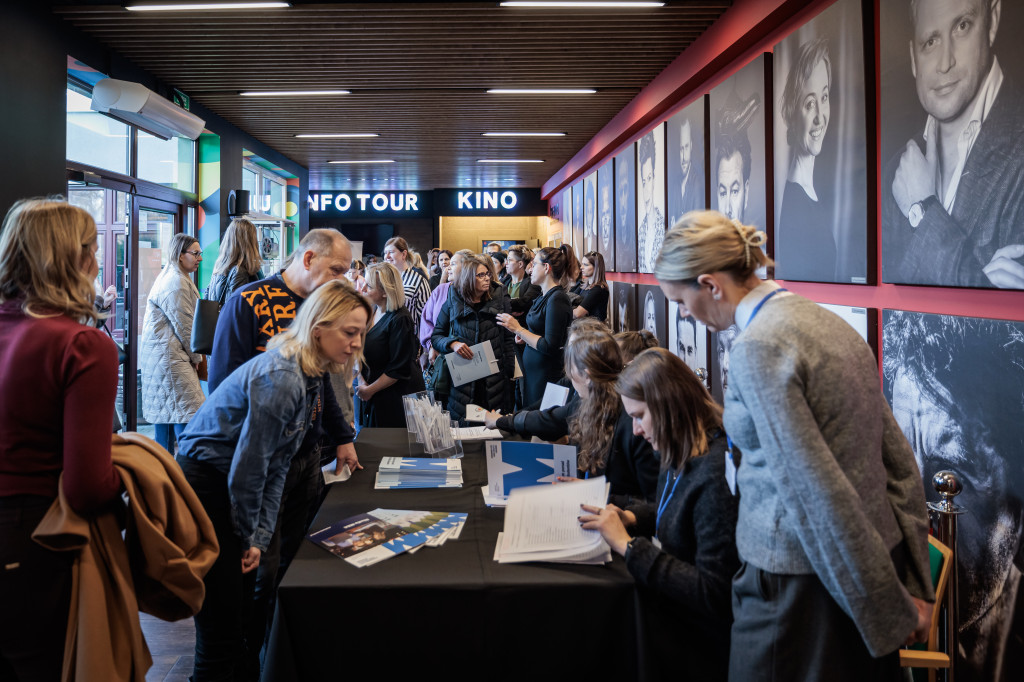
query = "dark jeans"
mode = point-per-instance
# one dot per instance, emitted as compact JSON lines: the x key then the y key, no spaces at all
{"x":788,"y":627}
{"x":167,"y":435}
{"x":220,"y":624}
{"x":299,"y":502}
{"x":35,"y":593}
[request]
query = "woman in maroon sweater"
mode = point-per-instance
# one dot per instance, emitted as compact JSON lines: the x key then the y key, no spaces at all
{"x":58,"y":381}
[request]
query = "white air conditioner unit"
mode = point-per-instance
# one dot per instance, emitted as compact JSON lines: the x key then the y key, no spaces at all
{"x":139,"y":106}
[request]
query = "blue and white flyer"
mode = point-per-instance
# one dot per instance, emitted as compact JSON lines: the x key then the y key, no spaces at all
{"x":513,"y":464}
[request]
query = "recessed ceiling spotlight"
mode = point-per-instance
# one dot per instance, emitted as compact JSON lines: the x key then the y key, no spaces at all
{"x":541,"y":91}
{"x":523,"y":134}
{"x":186,"y":6}
{"x":292,"y":93}
{"x":365,"y":161}
{"x":332,"y":135}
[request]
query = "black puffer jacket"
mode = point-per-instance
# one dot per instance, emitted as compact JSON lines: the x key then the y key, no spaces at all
{"x":459,"y":321}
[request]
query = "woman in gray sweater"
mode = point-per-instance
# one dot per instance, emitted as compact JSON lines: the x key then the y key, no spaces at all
{"x":832,"y":528}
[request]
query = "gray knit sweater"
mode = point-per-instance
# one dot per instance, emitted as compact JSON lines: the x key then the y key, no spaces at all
{"x":828,"y":484}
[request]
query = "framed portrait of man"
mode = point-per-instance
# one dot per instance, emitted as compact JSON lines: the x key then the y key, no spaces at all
{"x":721,"y":344}
{"x":577,"y":216}
{"x":606,"y":214}
{"x":589,"y":214}
{"x":688,"y":338}
{"x":625,"y":210}
{"x":652,"y":311}
{"x":623,"y":301}
{"x":952,"y":143}
{"x":567,"y":215}
{"x":820,"y":130}
{"x":955,"y":385}
{"x":737,"y":172}
{"x":650,"y":198}
{"x":684,"y":162}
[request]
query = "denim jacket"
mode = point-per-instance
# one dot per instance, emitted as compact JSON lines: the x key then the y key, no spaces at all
{"x":248,"y":429}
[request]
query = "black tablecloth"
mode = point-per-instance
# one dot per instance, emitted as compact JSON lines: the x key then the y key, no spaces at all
{"x":452,"y":611}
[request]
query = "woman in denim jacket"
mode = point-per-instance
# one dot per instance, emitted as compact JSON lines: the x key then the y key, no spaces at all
{"x":236,"y":451}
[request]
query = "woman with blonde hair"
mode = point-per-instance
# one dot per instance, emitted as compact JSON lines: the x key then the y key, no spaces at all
{"x":238,"y":262}
{"x":804,"y":405}
{"x":469,"y":318}
{"x":236,"y":452}
{"x":680,"y":546}
{"x":58,"y":383}
{"x":414,"y":283}
{"x":389,"y":369}
{"x":171,"y":393}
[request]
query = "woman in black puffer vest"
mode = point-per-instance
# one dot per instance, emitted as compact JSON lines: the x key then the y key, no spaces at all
{"x":469,"y":318}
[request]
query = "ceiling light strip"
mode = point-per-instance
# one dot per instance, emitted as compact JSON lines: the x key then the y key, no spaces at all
{"x":364,"y":161}
{"x":292,"y":93}
{"x":322,"y":136}
{"x":588,"y":4}
{"x":523,"y":134}
{"x":510,"y":160}
{"x":185,"y":7}
{"x":541,"y":91}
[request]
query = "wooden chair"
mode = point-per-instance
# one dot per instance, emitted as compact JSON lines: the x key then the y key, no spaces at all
{"x":930,"y":656}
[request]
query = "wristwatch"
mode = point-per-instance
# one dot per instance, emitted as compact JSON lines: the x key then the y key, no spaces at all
{"x":629,"y":547}
{"x":916,"y":213}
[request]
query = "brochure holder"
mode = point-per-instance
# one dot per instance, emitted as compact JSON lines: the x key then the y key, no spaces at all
{"x":431,"y":429}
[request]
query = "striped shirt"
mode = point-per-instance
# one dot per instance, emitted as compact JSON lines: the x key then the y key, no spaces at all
{"x":417,"y":291}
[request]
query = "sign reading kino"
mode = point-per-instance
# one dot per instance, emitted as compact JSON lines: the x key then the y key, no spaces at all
{"x":397,"y":202}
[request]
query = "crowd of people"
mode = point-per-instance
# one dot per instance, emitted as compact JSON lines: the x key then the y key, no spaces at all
{"x":825,"y":551}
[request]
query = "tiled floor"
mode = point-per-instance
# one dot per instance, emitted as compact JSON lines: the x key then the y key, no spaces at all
{"x":172,"y":646}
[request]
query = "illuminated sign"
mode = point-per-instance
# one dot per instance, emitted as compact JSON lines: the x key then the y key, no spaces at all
{"x":477,"y":200}
{"x":363,"y":202}
{"x":373,"y":205}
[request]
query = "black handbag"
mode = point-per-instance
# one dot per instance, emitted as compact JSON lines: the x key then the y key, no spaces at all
{"x":440,"y":379}
{"x":204,"y":325}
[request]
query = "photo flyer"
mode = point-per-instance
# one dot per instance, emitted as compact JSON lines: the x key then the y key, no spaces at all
{"x":374,"y":536}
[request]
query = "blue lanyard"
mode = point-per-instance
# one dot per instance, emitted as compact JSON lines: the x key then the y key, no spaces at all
{"x":757,"y":308}
{"x":665,"y":500}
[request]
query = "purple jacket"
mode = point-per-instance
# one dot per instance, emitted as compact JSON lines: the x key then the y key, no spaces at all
{"x":430,"y":309}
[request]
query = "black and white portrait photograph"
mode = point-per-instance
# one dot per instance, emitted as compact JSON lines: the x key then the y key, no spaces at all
{"x":589,"y":213}
{"x":863,"y":320}
{"x":577,"y":216}
{"x":820,"y":131}
{"x":625,"y":211}
{"x":567,"y":215}
{"x":606,"y":214}
{"x":623,"y":298}
{"x":684,"y":161}
{"x":952,"y":143}
{"x":956,"y":386}
{"x":737,"y":173}
{"x":688,"y":338}
{"x":650,"y":205}
{"x":652,"y":311}
{"x":555,"y":215}
{"x":721,"y":343}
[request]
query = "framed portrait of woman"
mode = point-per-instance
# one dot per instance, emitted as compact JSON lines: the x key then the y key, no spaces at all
{"x":625,"y":211}
{"x":820,"y":130}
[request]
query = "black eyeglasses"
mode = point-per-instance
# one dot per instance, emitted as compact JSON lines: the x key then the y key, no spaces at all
{"x":483,"y":275}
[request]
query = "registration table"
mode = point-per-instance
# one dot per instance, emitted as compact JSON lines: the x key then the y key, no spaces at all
{"x":448,"y":612}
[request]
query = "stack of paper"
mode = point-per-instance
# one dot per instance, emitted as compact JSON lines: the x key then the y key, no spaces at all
{"x":542,"y":524}
{"x":418,"y":472}
{"x":369,"y":538}
{"x":514,"y":464}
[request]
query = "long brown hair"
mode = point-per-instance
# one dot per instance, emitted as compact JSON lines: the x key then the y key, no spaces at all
{"x":240,"y":246}
{"x":465,"y":279}
{"x":681,"y":409}
{"x":595,"y":355}
{"x":598,"y":278}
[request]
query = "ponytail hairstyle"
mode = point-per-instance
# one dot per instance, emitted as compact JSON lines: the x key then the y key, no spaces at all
{"x":682,"y":411}
{"x":633,"y":343}
{"x":593,"y":354}
{"x":572,"y":266}
{"x":556,"y":259}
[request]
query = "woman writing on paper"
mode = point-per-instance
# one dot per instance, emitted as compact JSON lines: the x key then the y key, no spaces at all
{"x":389,"y":368}
{"x":685,"y":580}
{"x":547,"y":325}
{"x":469,"y":318}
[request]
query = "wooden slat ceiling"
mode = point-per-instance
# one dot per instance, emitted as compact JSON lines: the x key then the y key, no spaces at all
{"x":418,"y":75}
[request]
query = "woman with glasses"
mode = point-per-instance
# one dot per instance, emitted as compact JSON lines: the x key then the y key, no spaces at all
{"x":470,"y":317}
{"x":595,"y":288}
{"x":389,"y":369}
{"x":171,"y":393}
{"x":547,"y":326}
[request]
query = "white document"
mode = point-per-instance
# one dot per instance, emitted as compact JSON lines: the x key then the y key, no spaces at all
{"x":482,"y":364}
{"x":475,"y":413}
{"x":554,"y":396}
{"x":331,"y":476}
{"x":493,"y":500}
{"x":476,"y":433}
{"x":542,"y":522}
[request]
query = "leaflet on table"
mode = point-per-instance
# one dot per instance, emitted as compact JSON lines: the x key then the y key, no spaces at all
{"x":330,"y":474}
{"x":380,"y":534}
{"x":395,"y":481}
{"x":542,"y":523}
{"x":482,"y":364}
{"x":420,"y":465}
{"x":590,"y":557}
{"x":554,"y":396}
{"x":476,"y":433}
{"x":475,"y":413}
{"x":514,"y":464}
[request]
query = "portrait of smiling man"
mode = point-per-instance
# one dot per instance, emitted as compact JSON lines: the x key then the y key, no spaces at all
{"x":953,"y":194}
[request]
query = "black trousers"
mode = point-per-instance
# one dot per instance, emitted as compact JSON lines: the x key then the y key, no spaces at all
{"x":35,"y":595}
{"x":789,"y":628}
{"x":220,"y":624}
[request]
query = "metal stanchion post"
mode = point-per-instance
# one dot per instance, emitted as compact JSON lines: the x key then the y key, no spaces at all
{"x":948,"y":486}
